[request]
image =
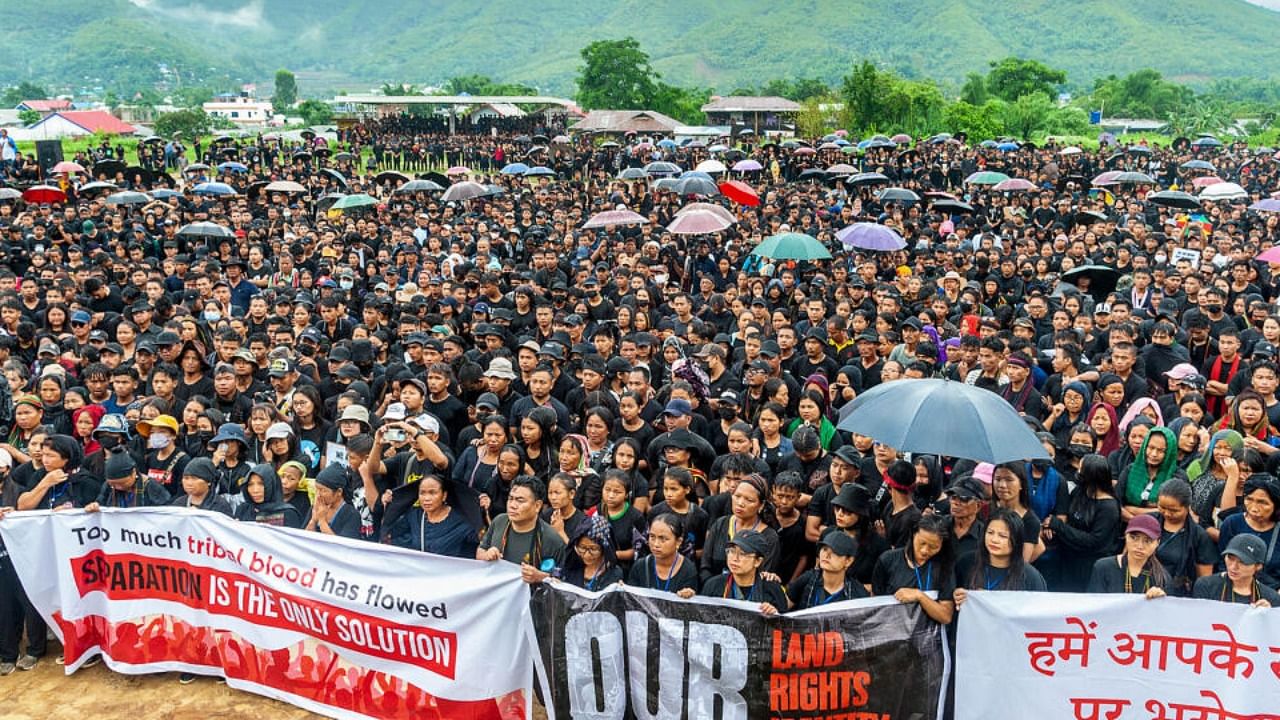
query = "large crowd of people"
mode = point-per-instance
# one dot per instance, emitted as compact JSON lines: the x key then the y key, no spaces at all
{"x":485,"y":378}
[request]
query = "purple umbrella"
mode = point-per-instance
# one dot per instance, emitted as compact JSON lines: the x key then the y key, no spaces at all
{"x":870,"y":236}
{"x":1268,"y":205}
{"x":697,"y":222}
{"x":747,"y":165}
{"x":1014,"y":185}
{"x":613,"y":218}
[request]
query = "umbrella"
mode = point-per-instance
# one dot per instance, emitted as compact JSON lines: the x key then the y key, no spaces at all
{"x":1270,"y":255}
{"x":386,"y":175}
{"x":352,"y":202}
{"x":9,"y":194}
{"x":696,"y":186}
{"x":990,"y":144}
{"x":561,"y":140}
{"x":458,"y":170}
{"x":666,"y":183}
{"x":697,"y":222}
{"x":540,"y":171}
{"x":943,"y":417}
{"x":1014,"y":185}
{"x":1198,"y":165}
{"x":842,"y":170}
{"x":614,"y":217}
{"x":464,"y":191}
{"x":302,"y":155}
{"x":1203,"y":142}
{"x":151,"y":140}
{"x":662,"y":168}
{"x":901,"y":138}
{"x":717,"y":149}
{"x":792,"y":246}
{"x":233,"y":167}
{"x":67,"y":167}
{"x":344,"y":157}
{"x":1102,"y":279}
{"x":108,"y":167}
{"x":747,"y":165}
{"x":195,"y":167}
{"x":633,"y":173}
{"x":953,"y":207}
{"x":867,"y":178}
{"x":828,"y":146}
{"x":1007,"y":146}
{"x":1106,"y":178}
{"x":516,"y":168}
{"x":1070,"y":150}
{"x":420,"y":186}
{"x":128,"y":197}
{"x":804,"y":151}
{"x":711,"y":167}
{"x":870,"y":236}
{"x":896,"y":194}
{"x":216,"y":189}
{"x":285,"y":186}
{"x":878,"y":143}
{"x":717,"y":210}
{"x":1206,"y":181}
{"x":462,"y":498}
{"x":93,"y":187}
{"x":1267,"y":205}
{"x":1224,"y":191}
{"x":1174,"y":199}
{"x":1133,"y":178}
{"x":1088,"y":217}
{"x":740,"y":192}
{"x":44,"y":194}
{"x":335,"y":175}
{"x":986,"y":177}
{"x":206,"y":230}
{"x":165,"y":194}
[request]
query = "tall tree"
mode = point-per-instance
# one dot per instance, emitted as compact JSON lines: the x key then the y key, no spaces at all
{"x":23,"y":91}
{"x":863,"y":89}
{"x":286,"y":91}
{"x":616,"y":75}
{"x":1012,"y":78}
{"x":1028,"y":115}
{"x":974,"y":91}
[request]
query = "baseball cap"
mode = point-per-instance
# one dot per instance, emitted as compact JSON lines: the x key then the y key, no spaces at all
{"x":967,"y":488}
{"x":840,"y":543}
{"x":488,"y":401}
{"x":119,"y":466}
{"x":1181,"y":371}
{"x":279,"y":430}
{"x":1144,"y":524}
{"x":359,"y":413}
{"x":1247,"y":548}
{"x":280,"y":367}
{"x":750,"y":541}
{"x":224,"y":369}
{"x":395,"y":411}
{"x":678,"y":407}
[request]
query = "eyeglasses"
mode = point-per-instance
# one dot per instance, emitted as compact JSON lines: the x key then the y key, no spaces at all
{"x":588,"y":549}
{"x":736,"y":552}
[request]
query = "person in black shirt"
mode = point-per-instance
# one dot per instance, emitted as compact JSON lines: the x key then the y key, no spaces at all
{"x":1185,"y":549}
{"x":744,"y":557}
{"x":794,"y":551}
{"x":1137,"y":570}
{"x":1244,"y":558}
{"x":999,"y":563}
{"x":900,"y":514}
{"x":124,"y":488}
{"x":666,"y":568}
{"x":831,"y":581}
{"x":853,"y":512}
{"x":925,"y":564}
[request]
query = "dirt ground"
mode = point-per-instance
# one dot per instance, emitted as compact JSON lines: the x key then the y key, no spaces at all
{"x":45,"y":693}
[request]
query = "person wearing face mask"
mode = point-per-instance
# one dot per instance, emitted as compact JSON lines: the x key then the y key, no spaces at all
{"x":164,"y":462}
{"x":112,"y":434}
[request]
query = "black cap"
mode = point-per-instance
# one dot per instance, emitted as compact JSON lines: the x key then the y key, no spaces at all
{"x":841,"y":543}
{"x":854,"y":498}
{"x":967,"y":488}
{"x":848,"y":455}
{"x":750,"y":541}
{"x":770,"y":348}
{"x":202,"y":468}
{"x":1262,"y":348}
{"x":868,"y":336}
{"x":119,"y":466}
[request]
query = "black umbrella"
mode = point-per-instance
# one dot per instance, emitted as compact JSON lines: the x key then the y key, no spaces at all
{"x":437,"y":178}
{"x":812,"y":174}
{"x":1174,"y":199}
{"x":868,"y":178}
{"x":1101,"y":280}
{"x":335,"y":175}
{"x":1088,"y":217}
{"x":953,"y":207}
{"x":108,"y":167}
{"x":979,"y":424}
{"x":462,"y":498}
{"x":206,"y":230}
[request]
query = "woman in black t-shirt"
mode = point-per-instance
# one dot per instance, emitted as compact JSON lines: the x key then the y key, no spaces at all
{"x":677,"y":487}
{"x":625,"y":521}
{"x":999,"y":563}
{"x":924,"y":565}
{"x":666,"y":568}
{"x":744,"y":557}
{"x":1137,"y":570}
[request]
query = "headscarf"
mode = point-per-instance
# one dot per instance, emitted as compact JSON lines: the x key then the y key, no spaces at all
{"x":1204,"y":464}
{"x":95,"y":412}
{"x":1177,"y":426}
{"x":1138,"y":406}
{"x":1138,"y":479}
{"x":584,"y":455}
{"x":1111,"y":440}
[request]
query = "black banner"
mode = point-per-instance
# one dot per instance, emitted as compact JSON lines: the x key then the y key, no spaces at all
{"x":637,"y":654}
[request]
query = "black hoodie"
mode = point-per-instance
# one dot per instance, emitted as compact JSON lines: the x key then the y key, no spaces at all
{"x":273,"y":510}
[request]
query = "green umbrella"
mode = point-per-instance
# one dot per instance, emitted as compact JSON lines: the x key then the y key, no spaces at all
{"x":358,"y":200}
{"x":987,"y":177}
{"x":792,"y":246}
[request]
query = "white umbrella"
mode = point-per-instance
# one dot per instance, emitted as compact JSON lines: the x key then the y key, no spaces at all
{"x":711,"y":167}
{"x":1224,"y":191}
{"x":1070,"y":150}
{"x":712,"y":208}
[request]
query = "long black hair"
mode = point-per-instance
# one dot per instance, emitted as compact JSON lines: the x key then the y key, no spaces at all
{"x":1013,"y":580}
{"x":1094,"y":478}
{"x":940,"y":525}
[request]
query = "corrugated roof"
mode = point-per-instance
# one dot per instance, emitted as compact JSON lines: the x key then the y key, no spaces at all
{"x":621,"y":121}
{"x":96,"y":121}
{"x":746,"y":103}
{"x":47,"y":105}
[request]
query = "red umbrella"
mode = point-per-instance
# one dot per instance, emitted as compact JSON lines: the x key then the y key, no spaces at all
{"x":739,"y":192}
{"x":44,"y":194}
{"x":68,"y":167}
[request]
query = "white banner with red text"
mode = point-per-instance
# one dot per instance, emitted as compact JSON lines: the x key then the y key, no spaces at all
{"x":1115,"y":657}
{"x":339,"y":627}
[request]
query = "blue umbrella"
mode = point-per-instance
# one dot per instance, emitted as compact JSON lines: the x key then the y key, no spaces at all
{"x":943,"y":417}
{"x":862,"y":144}
{"x":214,"y":188}
{"x":165,"y":194}
{"x":696,"y":174}
{"x":667,"y":143}
{"x":234,"y":167}
{"x":540,"y":171}
{"x":989,"y":144}
{"x":1007,"y":146}
{"x":514,"y":169}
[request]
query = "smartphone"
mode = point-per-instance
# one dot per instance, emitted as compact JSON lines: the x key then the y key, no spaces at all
{"x":394,"y":435}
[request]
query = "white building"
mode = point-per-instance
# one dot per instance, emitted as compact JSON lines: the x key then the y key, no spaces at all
{"x":240,"y":109}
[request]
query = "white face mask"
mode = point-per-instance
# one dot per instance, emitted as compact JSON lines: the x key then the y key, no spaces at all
{"x":1160,"y":257}
{"x":346,"y":284}
{"x":158,"y":441}
{"x":212,"y":315}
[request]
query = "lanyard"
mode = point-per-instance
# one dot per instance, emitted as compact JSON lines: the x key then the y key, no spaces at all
{"x":817,"y":588}
{"x":928,"y":578}
{"x":666,"y":585}
{"x":986,"y":577}
{"x":731,"y":589}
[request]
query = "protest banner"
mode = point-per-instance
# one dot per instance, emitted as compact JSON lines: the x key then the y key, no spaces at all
{"x":339,"y":627}
{"x":1115,"y":657}
{"x":642,"y":654}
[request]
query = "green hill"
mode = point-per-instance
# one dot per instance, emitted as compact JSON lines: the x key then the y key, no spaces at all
{"x":723,"y":45}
